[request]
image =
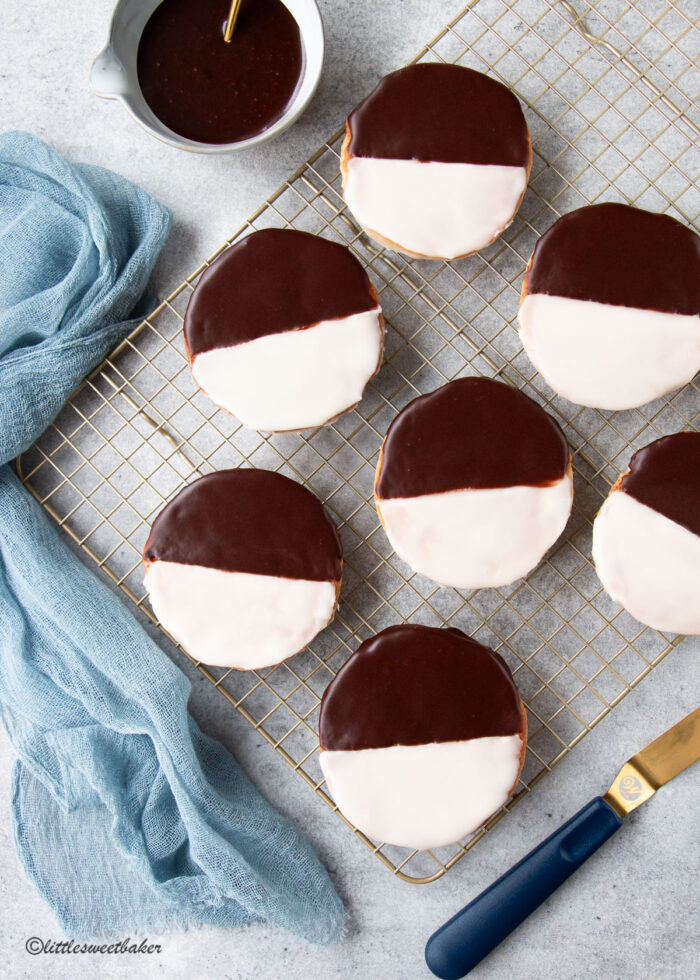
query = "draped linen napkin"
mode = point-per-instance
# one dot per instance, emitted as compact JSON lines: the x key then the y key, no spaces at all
{"x":126,"y":817}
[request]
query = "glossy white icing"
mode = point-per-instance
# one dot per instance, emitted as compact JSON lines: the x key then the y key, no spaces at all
{"x":648,"y":563}
{"x":475,"y":539}
{"x":439,"y":210}
{"x":605,"y":356}
{"x":234,"y":619}
{"x":296,"y":379}
{"x":423,"y":795}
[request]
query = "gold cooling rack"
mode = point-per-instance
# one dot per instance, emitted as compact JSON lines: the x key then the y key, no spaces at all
{"x":618,"y":122}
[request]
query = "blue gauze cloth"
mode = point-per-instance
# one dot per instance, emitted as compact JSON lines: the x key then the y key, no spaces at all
{"x":127,"y":818}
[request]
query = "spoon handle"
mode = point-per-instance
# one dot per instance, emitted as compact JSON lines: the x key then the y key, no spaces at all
{"x":473,"y":933}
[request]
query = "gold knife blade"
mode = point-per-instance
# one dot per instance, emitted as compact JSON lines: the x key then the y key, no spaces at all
{"x":661,"y":760}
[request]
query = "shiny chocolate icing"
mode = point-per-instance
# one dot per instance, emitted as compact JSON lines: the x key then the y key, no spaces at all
{"x":665,"y":475}
{"x":473,"y":433}
{"x":412,"y":685}
{"x":444,"y":113}
{"x":272,"y":281}
{"x":210,"y":91}
{"x":617,"y":254}
{"x":251,"y":521}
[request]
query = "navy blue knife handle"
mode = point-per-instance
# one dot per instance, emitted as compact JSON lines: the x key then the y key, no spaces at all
{"x":473,"y":933}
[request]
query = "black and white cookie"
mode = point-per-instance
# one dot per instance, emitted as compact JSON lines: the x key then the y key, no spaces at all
{"x":474,"y":483}
{"x":422,"y":736}
{"x":284,"y":330}
{"x":646,"y":537}
{"x":436,"y":160}
{"x":610,"y":306}
{"x":243,"y":568}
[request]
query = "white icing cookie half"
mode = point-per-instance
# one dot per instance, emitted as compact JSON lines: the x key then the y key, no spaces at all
{"x":649,"y":564}
{"x":423,"y":796}
{"x":623,"y":357}
{"x":477,"y":539}
{"x":258,"y":620}
{"x":295,"y":379}
{"x":434,"y":210}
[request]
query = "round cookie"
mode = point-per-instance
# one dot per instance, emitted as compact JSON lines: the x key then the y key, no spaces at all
{"x":243,"y":568}
{"x":473,"y":484}
{"x":284,"y":330}
{"x":435,"y":160}
{"x":422,"y":736}
{"x":610,"y":306}
{"x":646,"y":537}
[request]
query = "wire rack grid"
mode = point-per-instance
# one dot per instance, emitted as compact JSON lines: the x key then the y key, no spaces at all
{"x":138,"y":428}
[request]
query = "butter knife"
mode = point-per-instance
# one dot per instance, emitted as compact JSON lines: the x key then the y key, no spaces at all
{"x":473,"y":933}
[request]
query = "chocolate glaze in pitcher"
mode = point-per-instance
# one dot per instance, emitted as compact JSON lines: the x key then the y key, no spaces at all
{"x":207,"y":90}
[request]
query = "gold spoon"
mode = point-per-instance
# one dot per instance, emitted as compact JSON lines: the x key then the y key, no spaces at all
{"x":232,"y":17}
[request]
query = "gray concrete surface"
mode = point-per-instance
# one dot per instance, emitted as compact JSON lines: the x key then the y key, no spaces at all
{"x":631,"y":912}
